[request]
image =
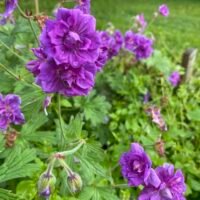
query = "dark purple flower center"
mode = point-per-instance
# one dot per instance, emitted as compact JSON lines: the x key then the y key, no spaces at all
{"x":72,"y":40}
{"x":138,"y":166}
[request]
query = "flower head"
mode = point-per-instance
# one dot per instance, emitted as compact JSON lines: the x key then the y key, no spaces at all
{"x":164,"y":10}
{"x":139,"y":44}
{"x":113,"y":43}
{"x":175,"y":78}
{"x":70,"y":54}
{"x":66,"y":79}
{"x":46,"y":184}
{"x":83,"y":5}
{"x":74,"y":182}
{"x":10,"y":111}
{"x":136,"y":167}
{"x":172,"y":186}
{"x":71,"y":37}
{"x":10,"y":6}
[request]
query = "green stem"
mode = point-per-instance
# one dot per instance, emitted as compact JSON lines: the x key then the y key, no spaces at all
{"x":121,"y":186}
{"x":16,"y":77}
{"x":14,"y":53}
{"x":23,"y":14}
{"x":60,"y":121}
{"x":9,"y":72}
{"x":66,"y":167}
{"x":51,"y":165}
{"x":29,"y":18}
{"x":37,"y":10}
{"x":72,"y":151}
{"x":33,"y":30}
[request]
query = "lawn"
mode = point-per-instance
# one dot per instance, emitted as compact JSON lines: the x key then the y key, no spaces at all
{"x":179,"y":31}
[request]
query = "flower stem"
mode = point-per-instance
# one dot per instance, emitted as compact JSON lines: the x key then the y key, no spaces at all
{"x":14,"y":53}
{"x":29,"y":18}
{"x":60,"y":122}
{"x":121,"y":186}
{"x":33,"y":30}
{"x":37,"y":10}
{"x":9,"y":72}
{"x":16,"y":77}
{"x":72,"y":151}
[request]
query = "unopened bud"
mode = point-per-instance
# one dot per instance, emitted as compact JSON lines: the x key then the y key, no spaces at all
{"x":46,"y":184}
{"x":74,"y":182}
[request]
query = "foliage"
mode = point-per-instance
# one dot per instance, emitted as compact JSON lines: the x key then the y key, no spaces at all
{"x":109,"y":119}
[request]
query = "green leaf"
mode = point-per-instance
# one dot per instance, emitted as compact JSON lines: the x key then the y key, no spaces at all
{"x":26,"y":189}
{"x":18,"y":164}
{"x":8,"y":195}
{"x":194,"y":115}
{"x":95,"y":108}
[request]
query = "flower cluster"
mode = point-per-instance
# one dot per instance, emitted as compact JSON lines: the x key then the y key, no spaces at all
{"x":160,"y":183}
{"x":139,"y":44}
{"x":10,"y":6}
{"x":175,"y":78}
{"x":10,"y":111}
{"x":68,"y":54}
{"x":110,"y":44}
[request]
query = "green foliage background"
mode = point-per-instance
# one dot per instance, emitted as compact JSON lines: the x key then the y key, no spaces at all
{"x":113,"y":115}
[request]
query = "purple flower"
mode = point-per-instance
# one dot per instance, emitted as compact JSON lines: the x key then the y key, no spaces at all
{"x":10,"y":111}
{"x":66,"y":79}
{"x":172,"y":186}
{"x":84,"y":5}
{"x":71,"y":37}
{"x":175,"y":78}
{"x":70,"y":54}
{"x":164,"y":10}
{"x":10,"y":6}
{"x":113,"y":43}
{"x":139,"y":44}
{"x":136,"y":167}
{"x":140,"y":22}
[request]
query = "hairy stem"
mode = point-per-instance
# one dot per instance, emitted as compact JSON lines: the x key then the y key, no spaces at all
{"x":37,"y":9}
{"x":14,"y":53}
{"x":16,"y":77}
{"x":60,"y":121}
{"x":72,"y":151}
{"x":33,"y":30}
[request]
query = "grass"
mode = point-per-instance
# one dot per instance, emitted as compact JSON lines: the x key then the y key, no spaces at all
{"x":179,"y":31}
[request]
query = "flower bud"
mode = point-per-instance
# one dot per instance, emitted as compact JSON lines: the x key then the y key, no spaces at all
{"x":74,"y":182}
{"x":46,"y":184}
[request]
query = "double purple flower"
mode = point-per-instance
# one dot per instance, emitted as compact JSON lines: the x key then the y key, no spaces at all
{"x":67,"y":58}
{"x":140,"y":45}
{"x":136,"y":167}
{"x":172,"y":186}
{"x":10,"y":112}
{"x":10,"y":6}
{"x":163,"y":183}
